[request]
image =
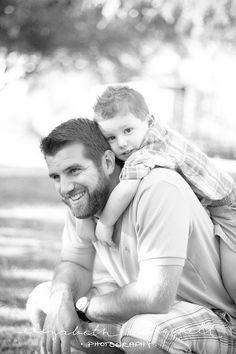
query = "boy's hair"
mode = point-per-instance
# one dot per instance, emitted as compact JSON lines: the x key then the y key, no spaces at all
{"x":116,"y":99}
{"x":79,"y":130}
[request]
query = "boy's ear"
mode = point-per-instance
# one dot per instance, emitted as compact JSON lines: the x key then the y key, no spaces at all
{"x":151,"y":120}
{"x":108,"y":162}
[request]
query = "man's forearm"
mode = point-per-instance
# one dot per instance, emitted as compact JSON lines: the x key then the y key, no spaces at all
{"x":120,"y":305}
{"x":71,"y":279}
{"x":124,"y":303}
{"x":149,"y":294}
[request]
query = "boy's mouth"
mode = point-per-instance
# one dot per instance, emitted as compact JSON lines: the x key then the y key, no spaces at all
{"x":127,"y":153}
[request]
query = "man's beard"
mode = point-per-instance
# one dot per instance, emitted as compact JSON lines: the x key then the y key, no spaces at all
{"x":95,"y":200}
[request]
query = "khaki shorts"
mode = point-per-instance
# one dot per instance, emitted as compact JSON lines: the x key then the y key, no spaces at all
{"x":187,"y":328}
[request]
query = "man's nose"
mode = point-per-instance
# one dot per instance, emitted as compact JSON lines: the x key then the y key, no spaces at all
{"x":66,"y":186}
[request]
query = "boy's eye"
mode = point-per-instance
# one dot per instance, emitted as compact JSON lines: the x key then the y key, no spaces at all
{"x":110,"y":139}
{"x":128,"y":130}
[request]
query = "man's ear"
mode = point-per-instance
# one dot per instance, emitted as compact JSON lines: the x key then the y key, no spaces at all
{"x":108,"y":162}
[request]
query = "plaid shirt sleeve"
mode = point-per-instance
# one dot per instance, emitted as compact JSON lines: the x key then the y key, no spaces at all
{"x":137,"y":165}
{"x":167,"y":148}
{"x":142,"y":161}
{"x":204,"y":177}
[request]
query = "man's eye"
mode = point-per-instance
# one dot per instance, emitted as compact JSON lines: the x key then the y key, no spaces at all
{"x":128,"y":130}
{"x":74,"y":171}
{"x":55,"y":178}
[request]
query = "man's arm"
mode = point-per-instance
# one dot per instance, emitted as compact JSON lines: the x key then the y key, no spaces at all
{"x":72,"y":279}
{"x":149,"y":294}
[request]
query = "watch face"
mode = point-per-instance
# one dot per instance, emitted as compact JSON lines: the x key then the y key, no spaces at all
{"x":82,"y":304}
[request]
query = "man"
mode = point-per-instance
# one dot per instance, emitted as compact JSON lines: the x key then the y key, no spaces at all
{"x":159,"y":290}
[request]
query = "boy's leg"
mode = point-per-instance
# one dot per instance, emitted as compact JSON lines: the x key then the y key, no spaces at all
{"x":224,"y":219}
{"x":187,"y":328}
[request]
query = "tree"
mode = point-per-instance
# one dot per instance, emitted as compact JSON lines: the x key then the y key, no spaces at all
{"x":120,"y":33}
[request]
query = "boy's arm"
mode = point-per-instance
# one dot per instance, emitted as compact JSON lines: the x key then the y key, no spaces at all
{"x":118,"y":201}
{"x":228,"y":263}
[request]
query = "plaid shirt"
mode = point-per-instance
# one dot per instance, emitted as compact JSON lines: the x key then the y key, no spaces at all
{"x":167,"y":148}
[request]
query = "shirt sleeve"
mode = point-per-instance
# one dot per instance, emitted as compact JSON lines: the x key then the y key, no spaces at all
{"x":142,"y":161}
{"x":163,"y":225}
{"x":74,"y":244}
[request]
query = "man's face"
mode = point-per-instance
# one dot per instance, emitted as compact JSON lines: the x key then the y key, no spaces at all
{"x":81,"y":184}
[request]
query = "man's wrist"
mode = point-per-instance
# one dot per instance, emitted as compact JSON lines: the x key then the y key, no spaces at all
{"x":81,"y":307}
{"x":61,"y":293}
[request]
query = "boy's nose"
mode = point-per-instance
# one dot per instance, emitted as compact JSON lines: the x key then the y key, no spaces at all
{"x":121,"y":142}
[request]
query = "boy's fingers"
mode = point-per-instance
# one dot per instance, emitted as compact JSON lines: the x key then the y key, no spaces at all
{"x":113,"y":245}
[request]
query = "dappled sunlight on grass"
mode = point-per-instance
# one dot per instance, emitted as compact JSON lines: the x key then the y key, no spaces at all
{"x":14,"y":339}
{"x":31,"y":224}
{"x":27,"y":190}
{"x":15,"y":295}
{"x":21,"y":236}
{"x":37,"y":212}
{"x":13,"y":314}
{"x":20,"y":251}
{"x":36,"y":274}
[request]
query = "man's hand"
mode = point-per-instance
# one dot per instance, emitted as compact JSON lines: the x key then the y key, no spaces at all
{"x":59,"y":325}
{"x":104,"y":234}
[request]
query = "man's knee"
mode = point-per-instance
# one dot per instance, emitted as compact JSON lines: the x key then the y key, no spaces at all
{"x":134,"y":345}
{"x":37,"y":304}
{"x":139,"y":335}
{"x":150,"y":334}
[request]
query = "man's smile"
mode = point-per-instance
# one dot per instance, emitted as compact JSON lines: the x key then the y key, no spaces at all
{"x":74,"y":198}
{"x":77,"y":196}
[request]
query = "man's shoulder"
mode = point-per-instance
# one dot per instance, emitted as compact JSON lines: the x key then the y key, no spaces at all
{"x":164,"y":184}
{"x":159,"y":175}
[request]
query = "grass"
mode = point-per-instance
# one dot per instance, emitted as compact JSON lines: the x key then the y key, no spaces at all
{"x":29,"y":251}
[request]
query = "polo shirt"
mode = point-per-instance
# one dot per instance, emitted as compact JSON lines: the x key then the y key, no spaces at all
{"x":164,"y":225}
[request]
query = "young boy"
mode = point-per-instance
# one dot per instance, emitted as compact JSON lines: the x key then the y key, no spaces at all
{"x":142,"y":144}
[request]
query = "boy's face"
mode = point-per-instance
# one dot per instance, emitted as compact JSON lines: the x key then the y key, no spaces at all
{"x":124,"y":133}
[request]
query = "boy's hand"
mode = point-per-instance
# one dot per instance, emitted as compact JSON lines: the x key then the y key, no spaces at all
{"x":87,"y":229}
{"x":104,"y":234}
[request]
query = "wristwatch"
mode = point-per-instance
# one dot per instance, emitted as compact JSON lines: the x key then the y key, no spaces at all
{"x":81,"y":308}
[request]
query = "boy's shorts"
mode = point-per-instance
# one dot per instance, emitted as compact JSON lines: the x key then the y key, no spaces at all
{"x":224,"y":219}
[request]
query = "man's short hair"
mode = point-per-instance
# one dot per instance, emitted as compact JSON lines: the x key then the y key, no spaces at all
{"x":79,"y":130}
{"x":117,"y":99}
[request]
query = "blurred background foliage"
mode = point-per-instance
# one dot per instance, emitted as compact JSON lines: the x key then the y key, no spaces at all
{"x":53,"y":52}
{"x":124,"y":33}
